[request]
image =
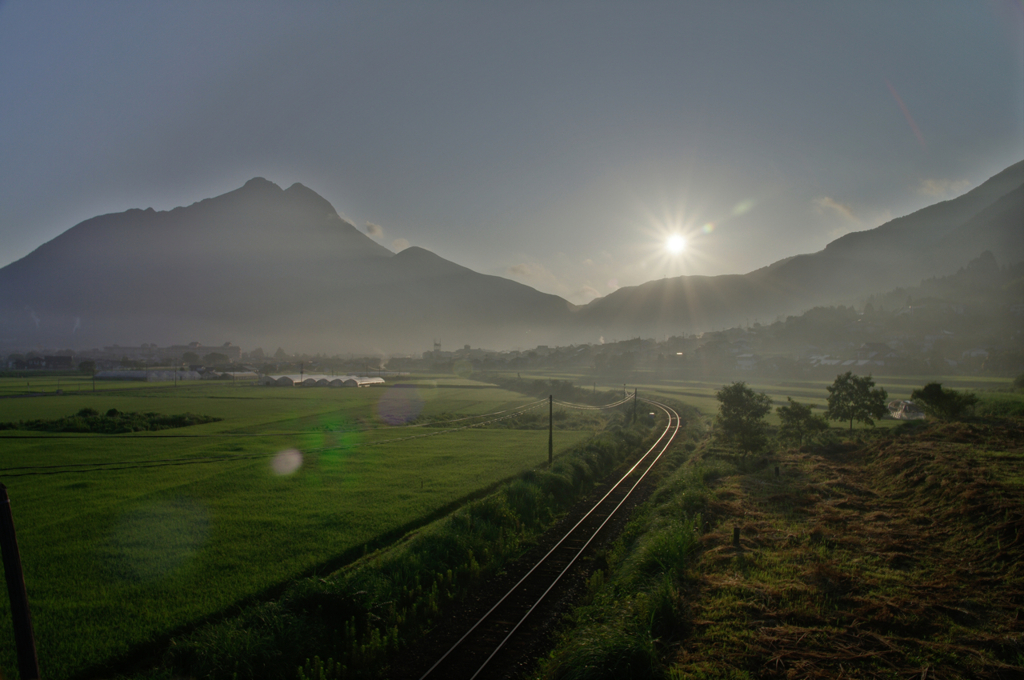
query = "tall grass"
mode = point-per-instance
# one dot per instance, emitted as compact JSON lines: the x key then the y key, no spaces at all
{"x":637,"y":608}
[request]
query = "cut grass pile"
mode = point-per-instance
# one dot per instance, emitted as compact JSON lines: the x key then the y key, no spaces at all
{"x":118,"y":552}
{"x":893,"y":557}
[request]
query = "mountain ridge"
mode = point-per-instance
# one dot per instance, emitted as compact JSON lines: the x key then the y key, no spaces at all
{"x":273,"y":266}
{"x":934,"y":240}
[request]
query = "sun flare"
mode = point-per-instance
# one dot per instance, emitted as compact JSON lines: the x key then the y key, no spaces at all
{"x":675,"y":244}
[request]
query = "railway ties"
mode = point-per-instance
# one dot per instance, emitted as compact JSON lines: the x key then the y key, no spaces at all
{"x":480,"y":652}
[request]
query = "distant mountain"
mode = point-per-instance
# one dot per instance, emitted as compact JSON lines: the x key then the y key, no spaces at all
{"x":933,"y":241}
{"x":271,"y":267}
{"x":260,"y":266}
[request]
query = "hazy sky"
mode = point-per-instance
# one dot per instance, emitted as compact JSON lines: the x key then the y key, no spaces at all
{"x":556,"y":143}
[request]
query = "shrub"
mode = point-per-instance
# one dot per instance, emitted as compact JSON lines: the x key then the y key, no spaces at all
{"x":943,"y":403}
{"x":798,"y":422}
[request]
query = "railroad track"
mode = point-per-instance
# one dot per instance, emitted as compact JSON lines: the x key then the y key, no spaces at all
{"x":477,"y":654}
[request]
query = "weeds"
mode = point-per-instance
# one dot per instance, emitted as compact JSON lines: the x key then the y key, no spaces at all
{"x":629,"y":618}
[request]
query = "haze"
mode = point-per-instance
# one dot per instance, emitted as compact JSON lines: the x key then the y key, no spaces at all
{"x":560,"y":146}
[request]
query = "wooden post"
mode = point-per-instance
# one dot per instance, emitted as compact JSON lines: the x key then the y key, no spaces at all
{"x":551,"y":429}
{"x":736,"y":536}
{"x":24,"y":639}
{"x":776,"y":470}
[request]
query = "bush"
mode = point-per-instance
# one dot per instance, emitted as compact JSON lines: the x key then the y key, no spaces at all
{"x":943,"y":403}
{"x":798,"y":422}
{"x":114,"y":422}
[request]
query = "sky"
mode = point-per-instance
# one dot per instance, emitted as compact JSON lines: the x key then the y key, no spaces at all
{"x":559,"y":144}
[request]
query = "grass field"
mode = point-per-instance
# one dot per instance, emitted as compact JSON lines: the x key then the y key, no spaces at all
{"x":47,"y":383}
{"x":156,"y":531}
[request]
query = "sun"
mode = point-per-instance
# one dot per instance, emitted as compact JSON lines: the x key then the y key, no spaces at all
{"x":675,"y":244}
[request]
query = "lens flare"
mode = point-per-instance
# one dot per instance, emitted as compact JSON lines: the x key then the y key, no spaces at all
{"x":400,"y":404}
{"x":155,"y":539}
{"x":286,"y":462}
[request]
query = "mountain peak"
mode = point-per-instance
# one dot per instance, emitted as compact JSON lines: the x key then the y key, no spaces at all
{"x":260,"y":184}
{"x":300,"y":193}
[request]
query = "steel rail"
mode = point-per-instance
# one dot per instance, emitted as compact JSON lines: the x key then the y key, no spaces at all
{"x":664,"y":441}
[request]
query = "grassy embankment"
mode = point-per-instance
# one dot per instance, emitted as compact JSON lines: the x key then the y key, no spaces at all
{"x":898,"y":553}
{"x":194,"y":520}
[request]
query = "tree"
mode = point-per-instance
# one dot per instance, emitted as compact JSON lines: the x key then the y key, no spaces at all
{"x":190,"y":358}
{"x":798,"y":422}
{"x":740,"y":418}
{"x":280,"y":354}
{"x":944,"y":404}
{"x":853,"y":397}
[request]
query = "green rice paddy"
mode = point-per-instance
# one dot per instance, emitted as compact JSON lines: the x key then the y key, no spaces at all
{"x":131,"y":538}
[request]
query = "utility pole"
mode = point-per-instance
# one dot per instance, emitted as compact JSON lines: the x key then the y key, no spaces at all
{"x":551,"y":429}
{"x":634,"y":404}
{"x":24,"y":638}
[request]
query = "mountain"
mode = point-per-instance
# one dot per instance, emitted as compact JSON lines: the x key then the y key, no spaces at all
{"x":263,"y":266}
{"x":933,"y":241}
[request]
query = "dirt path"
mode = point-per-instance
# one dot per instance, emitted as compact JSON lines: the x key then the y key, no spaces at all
{"x":901,"y":558}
